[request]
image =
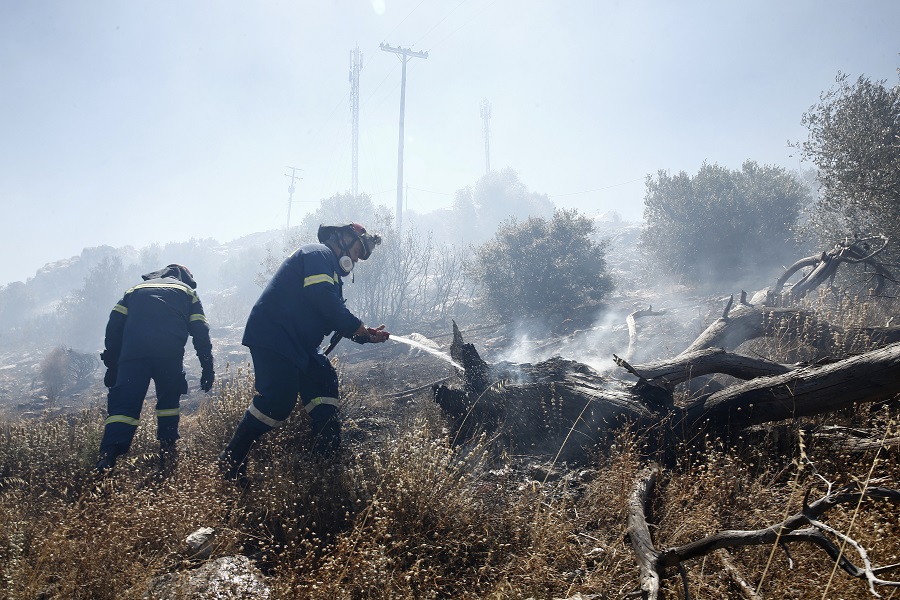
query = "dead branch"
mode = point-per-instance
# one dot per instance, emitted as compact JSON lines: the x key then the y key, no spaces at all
{"x":825,"y":265}
{"x":706,"y":361}
{"x":736,"y":576}
{"x":869,"y":377}
{"x":632,"y":327}
{"x":848,"y":439}
{"x":789,"y":531}
{"x":749,"y":322}
{"x":793,"y":326}
{"x":639,"y":533}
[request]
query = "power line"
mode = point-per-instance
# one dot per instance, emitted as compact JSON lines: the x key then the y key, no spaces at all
{"x":452,"y":33}
{"x":404,"y":18}
{"x":435,"y":26}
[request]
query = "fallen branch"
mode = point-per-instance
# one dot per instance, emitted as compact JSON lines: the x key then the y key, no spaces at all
{"x":639,"y":533}
{"x":632,"y":328}
{"x":803,"y":392}
{"x":673,"y":371}
{"x":789,"y":531}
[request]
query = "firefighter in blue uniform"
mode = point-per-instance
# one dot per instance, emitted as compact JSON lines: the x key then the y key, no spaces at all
{"x":302,"y":304}
{"x":145,"y":339}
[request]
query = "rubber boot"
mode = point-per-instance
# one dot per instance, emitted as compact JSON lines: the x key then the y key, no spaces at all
{"x":168,"y":457}
{"x":326,"y":429}
{"x":106,"y":461}
{"x":233,"y":460}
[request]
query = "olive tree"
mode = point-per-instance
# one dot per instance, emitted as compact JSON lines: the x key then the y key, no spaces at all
{"x":541,"y":267}
{"x":854,"y":141}
{"x":720,"y":223}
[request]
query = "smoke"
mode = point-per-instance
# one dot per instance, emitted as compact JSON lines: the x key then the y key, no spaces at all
{"x":682,"y":317}
{"x":606,"y":334}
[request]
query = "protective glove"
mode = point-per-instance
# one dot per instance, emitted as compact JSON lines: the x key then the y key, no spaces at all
{"x":372,"y":335}
{"x":112,"y":368}
{"x":109,"y":361}
{"x":109,"y":379}
{"x":207,"y":375}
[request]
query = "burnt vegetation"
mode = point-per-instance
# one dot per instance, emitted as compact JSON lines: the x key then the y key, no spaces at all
{"x":740,"y":446}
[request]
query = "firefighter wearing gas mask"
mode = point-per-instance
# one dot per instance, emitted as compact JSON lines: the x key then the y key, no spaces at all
{"x":302,"y":304}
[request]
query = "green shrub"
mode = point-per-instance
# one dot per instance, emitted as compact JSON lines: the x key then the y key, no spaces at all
{"x":542,"y":267}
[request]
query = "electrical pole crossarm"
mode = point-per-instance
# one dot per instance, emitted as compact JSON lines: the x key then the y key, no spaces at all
{"x":403,"y":51}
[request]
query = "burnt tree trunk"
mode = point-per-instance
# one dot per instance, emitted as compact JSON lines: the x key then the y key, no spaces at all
{"x":559,"y":406}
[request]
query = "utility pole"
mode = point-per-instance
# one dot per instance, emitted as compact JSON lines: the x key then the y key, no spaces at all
{"x":294,"y":177}
{"x":486,"y":118}
{"x":356,"y":64}
{"x":405,"y":54}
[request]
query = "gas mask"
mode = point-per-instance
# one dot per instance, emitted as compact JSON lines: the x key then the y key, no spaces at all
{"x":346,"y":264}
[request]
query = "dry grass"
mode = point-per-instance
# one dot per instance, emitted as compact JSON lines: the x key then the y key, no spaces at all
{"x":402,"y":513}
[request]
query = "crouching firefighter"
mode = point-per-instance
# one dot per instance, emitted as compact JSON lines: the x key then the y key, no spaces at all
{"x":302,"y":304}
{"x":145,"y":339}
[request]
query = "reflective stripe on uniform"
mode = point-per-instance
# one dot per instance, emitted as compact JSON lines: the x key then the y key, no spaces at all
{"x":122,"y":419}
{"x":199,"y":317}
{"x":262,"y":417}
{"x":321,"y":400}
{"x":320,"y":278}
{"x":177,"y":286}
{"x":168,"y":412}
{"x":121,"y":309}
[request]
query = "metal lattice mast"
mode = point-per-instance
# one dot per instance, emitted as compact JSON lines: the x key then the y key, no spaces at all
{"x":486,"y":126}
{"x":356,"y":64}
{"x":405,"y":54}
{"x":294,"y":177}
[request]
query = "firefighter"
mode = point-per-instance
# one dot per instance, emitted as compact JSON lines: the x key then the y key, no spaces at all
{"x":145,"y":339}
{"x":301,"y":304}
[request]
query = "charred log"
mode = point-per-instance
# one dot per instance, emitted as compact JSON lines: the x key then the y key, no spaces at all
{"x":560,"y":406}
{"x":869,"y":377}
{"x":555,"y":407}
{"x":639,"y":533}
{"x":689,"y":365}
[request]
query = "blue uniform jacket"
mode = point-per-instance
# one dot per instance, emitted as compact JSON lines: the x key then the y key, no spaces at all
{"x":154,"y":319}
{"x":302,"y":304}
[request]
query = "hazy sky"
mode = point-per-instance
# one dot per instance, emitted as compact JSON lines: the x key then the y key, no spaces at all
{"x":127,"y":123}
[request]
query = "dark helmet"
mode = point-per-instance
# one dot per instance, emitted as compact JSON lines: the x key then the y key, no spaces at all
{"x":179,"y":272}
{"x":368,"y":240}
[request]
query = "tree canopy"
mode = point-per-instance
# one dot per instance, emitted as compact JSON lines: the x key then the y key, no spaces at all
{"x":541,"y":266}
{"x":341,"y":209}
{"x":854,"y":141}
{"x":720,"y":223}
{"x":497,"y":196}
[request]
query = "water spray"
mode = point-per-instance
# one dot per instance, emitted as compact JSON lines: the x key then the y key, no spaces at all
{"x":403,"y":340}
{"x":413,"y":343}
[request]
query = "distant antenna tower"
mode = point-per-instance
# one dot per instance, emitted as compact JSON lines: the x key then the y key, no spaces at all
{"x":486,"y":126}
{"x":356,"y":65}
{"x":294,"y":177}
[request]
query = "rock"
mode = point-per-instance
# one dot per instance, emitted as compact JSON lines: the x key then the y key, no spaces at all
{"x":226,"y":578}
{"x":199,"y":543}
